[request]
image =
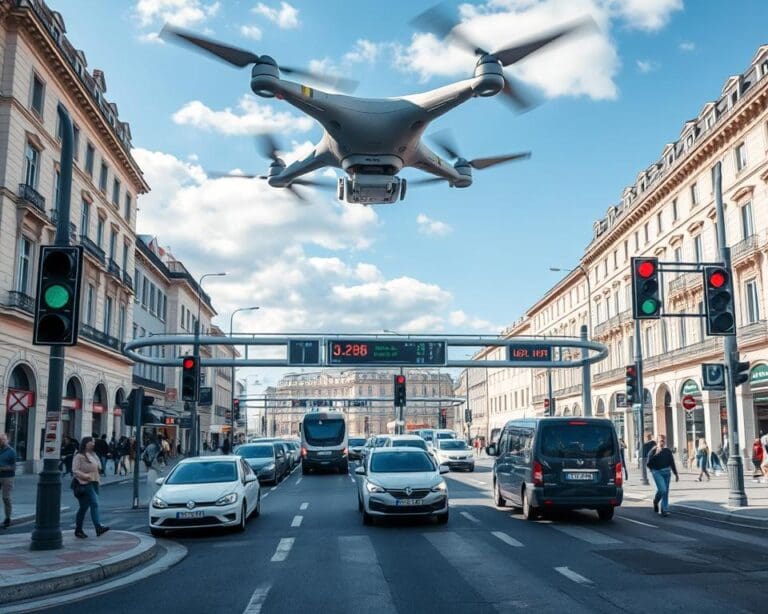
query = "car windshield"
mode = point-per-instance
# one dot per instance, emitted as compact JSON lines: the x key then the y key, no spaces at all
{"x":410,"y":443}
{"x":453,"y":444}
{"x":356,"y":441}
{"x":444,"y":436}
{"x":256,"y":451}
{"x":205,"y":472}
{"x":401,"y":462}
{"x":379,"y":441}
{"x":324,"y":432}
{"x":572,"y":440}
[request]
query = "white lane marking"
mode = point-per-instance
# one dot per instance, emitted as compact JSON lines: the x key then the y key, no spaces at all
{"x":299,"y":480}
{"x":297,"y":521}
{"x":133,"y":527}
{"x":586,"y":535}
{"x":572,"y":575}
{"x":265,"y":495}
{"x":470,"y":517}
{"x":480,"y":482}
{"x":273,"y":488}
{"x":283,"y":548}
{"x":361,"y":567}
{"x":507,"y":539}
{"x":645,"y":524}
{"x":257,"y":600}
{"x":304,"y":506}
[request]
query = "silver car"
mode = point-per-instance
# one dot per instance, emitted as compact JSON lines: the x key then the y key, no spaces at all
{"x":455,"y":453}
{"x":401,"y":482}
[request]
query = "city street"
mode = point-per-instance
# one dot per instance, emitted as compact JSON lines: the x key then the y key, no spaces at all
{"x":309,"y":551}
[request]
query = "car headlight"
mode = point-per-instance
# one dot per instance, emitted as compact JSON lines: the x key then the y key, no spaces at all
{"x":269,"y":467}
{"x":371,"y":487}
{"x":440,"y":487}
{"x":227,"y":499}
{"x":159,"y":503}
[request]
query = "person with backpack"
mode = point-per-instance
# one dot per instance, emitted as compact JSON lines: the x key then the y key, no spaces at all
{"x":85,"y":485}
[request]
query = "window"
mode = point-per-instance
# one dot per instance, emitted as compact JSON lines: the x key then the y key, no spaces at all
{"x":108,"y":316}
{"x":145,"y":298}
{"x":616,"y":302}
{"x":747,"y":221}
{"x":24,"y":266}
{"x":125,"y":257}
{"x":646,"y":234}
{"x":128,"y":206}
{"x":674,"y":210}
{"x":31,"y":162}
{"x":659,"y":224}
{"x":648,"y":349}
{"x":682,"y":338}
{"x":38,"y":95}
{"x":116,"y":192}
{"x":90,"y":154}
{"x":599,"y":311}
{"x":137,"y":281}
{"x":85,"y":218}
{"x":90,"y":305}
{"x":76,"y":141}
{"x":152,"y":305}
{"x":741,"y":156}
{"x":697,"y":251}
{"x":615,"y":259}
{"x":112,"y":244}
{"x":103,"y":177}
{"x":100,"y":232}
{"x":753,"y":307}
{"x":678,"y":254}
{"x":165,"y":307}
{"x":631,"y":349}
{"x":626,"y":249}
{"x":56,"y":182}
{"x":637,"y":241}
{"x":700,"y":309}
{"x":694,"y":195}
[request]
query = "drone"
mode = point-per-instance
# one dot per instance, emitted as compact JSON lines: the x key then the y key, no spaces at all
{"x":373,"y":139}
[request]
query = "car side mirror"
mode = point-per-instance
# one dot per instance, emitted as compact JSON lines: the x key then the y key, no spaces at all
{"x":159,"y":481}
{"x":491,"y":450}
{"x":250,"y":478}
{"x":360,"y":470}
{"x":444,"y":469}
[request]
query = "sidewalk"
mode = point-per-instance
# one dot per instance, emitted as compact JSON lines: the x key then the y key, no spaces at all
{"x":705,"y":499}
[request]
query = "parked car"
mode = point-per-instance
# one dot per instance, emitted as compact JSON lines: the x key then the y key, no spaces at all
{"x":455,"y":453}
{"x":401,"y":482}
{"x":405,"y":441}
{"x":261,"y":456}
{"x":373,"y":442}
{"x":282,"y":458}
{"x":294,"y":448}
{"x":204,"y":492}
{"x":355,"y":445}
{"x":558,"y":463}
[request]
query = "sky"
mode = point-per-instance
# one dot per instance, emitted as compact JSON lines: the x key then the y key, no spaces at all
{"x":443,"y":260}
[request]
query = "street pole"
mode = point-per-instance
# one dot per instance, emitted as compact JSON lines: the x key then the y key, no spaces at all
{"x":586,"y":376}
{"x":47,"y":532}
{"x":232,"y":380}
{"x":550,"y":398}
{"x":737,"y":497}
{"x":399,"y":427}
{"x":138,"y":406}
{"x":639,"y":407}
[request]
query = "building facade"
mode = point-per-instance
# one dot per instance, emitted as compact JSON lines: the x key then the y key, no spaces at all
{"x":40,"y":70}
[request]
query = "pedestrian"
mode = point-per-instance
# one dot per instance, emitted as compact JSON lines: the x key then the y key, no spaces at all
{"x":661,"y":462}
{"x":166,"y":450}
{"x":623,"y":450}
{"x":85,"y":485}
{"x":757,"y":460}
{"x":131,"y":454}
{"x":649,"y":445}
{"x":205,"y":445}
{"x":226,"y":447}
{"x":102,"y":450}
{"x":764,"y":463}
{"x":150,"y":458}
{"x":123,"y":449}
{"x":68,"y":451}
{"x":7,"y":476}
{"x":702,"y":458}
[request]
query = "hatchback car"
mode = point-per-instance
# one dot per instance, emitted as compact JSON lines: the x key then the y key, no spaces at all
{"x":405,"y":441}
{"x":205,"y":492}
{"x":401,"y":482}
{"x":373,"y":442}
{"x":455,"y":453}
{"x":355,"y":445}
{"x":558,"y":463}
{"x":262,"y":459}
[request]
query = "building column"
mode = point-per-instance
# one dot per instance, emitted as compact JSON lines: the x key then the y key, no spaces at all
{"x":746,"y":423}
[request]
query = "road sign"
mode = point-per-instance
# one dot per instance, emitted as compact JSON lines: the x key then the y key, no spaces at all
{"x":713,"y":376}
{"x":206,"y":396}
{"x":546,"y":403}
{"x":529,"y":352}
{"x":386,"y":352}
{"x":689,"y":402}
{"x":303,"y":352}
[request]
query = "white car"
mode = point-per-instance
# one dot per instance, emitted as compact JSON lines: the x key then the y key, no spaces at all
{"x":455,"y":453}
{"x":401,"y":482}
{"x":205,"y":492}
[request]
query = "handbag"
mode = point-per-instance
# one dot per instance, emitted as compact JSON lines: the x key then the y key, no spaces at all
{"x":78,"y":489}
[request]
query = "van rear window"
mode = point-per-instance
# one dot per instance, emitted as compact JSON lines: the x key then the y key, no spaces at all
{"x":577,"y":440}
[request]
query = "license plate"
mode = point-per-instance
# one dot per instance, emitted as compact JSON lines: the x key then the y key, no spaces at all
{"x":323,"y":453}
{"x":409,"y":501}
{"x":579,"y":477}
{"x":188,"y":515}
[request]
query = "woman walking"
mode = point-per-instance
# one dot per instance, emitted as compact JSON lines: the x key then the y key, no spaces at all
{"x":122,"y":454}
{"x":85,"y":484}
{"x":757,"y":460}
{"x":702,"y":458}
{"x":661,"y":462}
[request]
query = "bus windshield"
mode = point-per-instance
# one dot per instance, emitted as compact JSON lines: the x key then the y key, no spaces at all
{"x":328,"y":432}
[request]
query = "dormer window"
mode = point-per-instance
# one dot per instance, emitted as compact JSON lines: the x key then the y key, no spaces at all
{"x":764,"y":68}
{"x":710,"y":121}
{"x":734,"y":97}
{"x":689,"y":141}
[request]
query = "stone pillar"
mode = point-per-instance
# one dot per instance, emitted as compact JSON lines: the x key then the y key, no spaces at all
{"x":711,"y":404}
{"x":746,"y":423}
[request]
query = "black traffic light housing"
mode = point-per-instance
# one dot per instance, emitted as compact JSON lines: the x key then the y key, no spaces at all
{"x":190,"y":378}
{"x":646,"y":298}
{"x":236,"y":408}
{"x":57,"y":303}
{"x":443,"y":417}
{"x":136,"y":399}
{"x":718,"y":301}
{"x":740,"y":373}
{"x":467,"y":415}
{"x":400,"y":390}
{"x":631,"y":379}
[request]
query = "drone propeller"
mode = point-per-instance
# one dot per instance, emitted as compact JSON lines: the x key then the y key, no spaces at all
{"x":242,"y":57}
{"x":445,"y":142}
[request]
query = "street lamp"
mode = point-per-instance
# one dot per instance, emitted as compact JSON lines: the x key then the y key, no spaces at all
{"x":196,"y":352}
{"x":232,"y":380}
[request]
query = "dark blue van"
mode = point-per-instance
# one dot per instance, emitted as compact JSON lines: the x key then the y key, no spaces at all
{"x":545,"y":464}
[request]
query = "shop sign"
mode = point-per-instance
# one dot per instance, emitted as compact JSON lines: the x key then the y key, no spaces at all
{"x":71,"y":403}
{"x":98,"y":408}
{"x":118,"y":411}
{"x":759,"y":375}
{"x":690,"y":387}
{"x":19,"y":400}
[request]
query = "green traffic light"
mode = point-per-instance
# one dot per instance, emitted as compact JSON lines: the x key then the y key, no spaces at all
{"x":649,"y":306}
{"x":56,"y":296}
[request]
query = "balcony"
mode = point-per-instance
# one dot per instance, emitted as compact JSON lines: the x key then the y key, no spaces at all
{"x":686,"y":281}
{"x":127,"y":280}
{"x":92,"y":249}
{"x":28,"y":194}
{"x":139,"y":380}
{"x":19,"y":300}
{"x":695,"y":351}
{"x":745,"y":248}
{"x":99,"y":337}
{"x":605,"y":376}
{"x":754,"y":332}
{"x":567,"y":392}
{"x":113,"y":269}
{"x":54,"y":215}
{"x":613,"y":323}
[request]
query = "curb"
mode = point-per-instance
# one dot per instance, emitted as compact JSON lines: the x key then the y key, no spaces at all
{"x":80,"y":575}
{"x":734,"y":517}
{"x":27,"y":517}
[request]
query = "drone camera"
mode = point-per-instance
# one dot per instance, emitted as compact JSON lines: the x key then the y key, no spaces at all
{"x":371,"y":189}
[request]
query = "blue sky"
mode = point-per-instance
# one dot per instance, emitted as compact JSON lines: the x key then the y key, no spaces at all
{"x":610,"y":103}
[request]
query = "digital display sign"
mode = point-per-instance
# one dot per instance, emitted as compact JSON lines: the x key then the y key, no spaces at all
{"x":529,"y":352}
{"x":304,"y":352}
{"x":385,"y":352}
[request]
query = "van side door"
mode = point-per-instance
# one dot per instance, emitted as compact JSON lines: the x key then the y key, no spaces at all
{"x":515,"y":461}
{"x":502,"y":465}
{"x":523,"y":460}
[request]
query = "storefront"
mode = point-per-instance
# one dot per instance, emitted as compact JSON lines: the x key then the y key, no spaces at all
{"x":117,"y":412}
{"x":19,"y":416}
{"x":758,"y":384}
{"x":99,"y":409}
{"x":71,"y":405}
{"x":694,"y":418}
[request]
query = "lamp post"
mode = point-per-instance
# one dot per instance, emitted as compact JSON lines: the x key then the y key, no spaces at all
{"x":194,"y":447}
{"x":232,"y":380}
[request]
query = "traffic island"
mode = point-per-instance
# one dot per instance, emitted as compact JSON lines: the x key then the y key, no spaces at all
{"x":25,"y":573}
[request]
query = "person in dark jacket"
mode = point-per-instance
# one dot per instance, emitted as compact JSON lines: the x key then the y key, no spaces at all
{"x":648,"y":445}
{"x":68,"y":451}
{"x":101,"y":447}
{"x":226,"y":447}
{"x":661,"y":462}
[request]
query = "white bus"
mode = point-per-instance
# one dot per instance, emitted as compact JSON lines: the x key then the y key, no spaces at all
{"x":324,"y":441}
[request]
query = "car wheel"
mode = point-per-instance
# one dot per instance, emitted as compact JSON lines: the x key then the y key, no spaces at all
{"x":442,"y":518}
{"x":498,"y":499}
{"x":530,"y":512}
{"x":471,"y":469}
{"x":257,"y":510}
{"x":243,"y":517}
{"x":367,"y":518}
{"x":606,"y":513}
{"x":157,"y":532}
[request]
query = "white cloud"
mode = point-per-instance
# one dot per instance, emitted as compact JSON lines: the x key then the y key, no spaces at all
{"x":151,"y":37}
{"x":460,"y":319}
{"x":254,"y":117}
{"x":428,"y":226}
{"x":364,"y":51}
{"x":252,"y":32}
{"x":687,"y":46}
{"x":182,"y":13}
{"x":646,"y":66}
{"x":649,"y":15}
{"x":286,"y":17}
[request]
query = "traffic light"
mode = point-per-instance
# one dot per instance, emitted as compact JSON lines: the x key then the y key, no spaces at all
{"x":631,"y":379}
{"x":443,"y":418}
{"x":57,"y":304}
{"x":190,"y":378}
{"x":400,"y":390}
{"x":467,"y":415}
{"x":646,"y":304}
{"x":137,"y":398}
{"x":740,"y":373}
{"x":718,"y":301}
{"x":236,"y":407}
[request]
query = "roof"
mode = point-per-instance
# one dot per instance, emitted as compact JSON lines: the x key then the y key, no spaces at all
{"x":217,"y":457}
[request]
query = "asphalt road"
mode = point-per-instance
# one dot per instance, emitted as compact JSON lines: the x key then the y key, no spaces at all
{"x":309,"y":552}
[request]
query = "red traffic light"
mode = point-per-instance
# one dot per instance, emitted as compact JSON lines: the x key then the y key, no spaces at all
{"x":631,"y":371}
{"x":646,"y":268}
{"x":189,"y":363}
{"x":400,"y":379}
{"x":718,"y":279}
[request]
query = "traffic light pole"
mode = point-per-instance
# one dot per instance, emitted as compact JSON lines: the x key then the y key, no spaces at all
{"x":47,"y":532}
{"x":194,"y":447}
{"x":138,"y":410}
{"x":737,"y":496}
{"x":586,"y":376}
{"x":640,"y":405}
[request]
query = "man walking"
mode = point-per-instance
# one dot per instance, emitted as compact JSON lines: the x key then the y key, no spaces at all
{"x":7,"y":473}
{"x":649,"y":445}
{"x":226,"y":447}
{"x":101,"y":447}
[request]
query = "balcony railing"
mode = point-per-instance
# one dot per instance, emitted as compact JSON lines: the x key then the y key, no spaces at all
{"x":127,"y":280}
{"x":756,"y":331}
{"x":614,"y":322}
{"x":701,"y":349}
{"x":113,"y":269}
{"x":568,"y":391}
{"x":93,"y":249}
{"x":146,"y":382}
{"x":54,"y":215}
{"x":685,"y":281}
{"x":32,"y":196}
{"x":743,"y":248}
{"x":608,"y":375}
{"x":99,"y":337}
{"x":22,"y":301}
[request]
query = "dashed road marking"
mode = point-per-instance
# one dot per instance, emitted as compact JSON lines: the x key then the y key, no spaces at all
{"x":297,"y":521}
{"x":304,"y":506}
{"x":587,"y":535}
{"x":507,"y":539}
{"x":283,"y":548}
{"x":299,"y":480}
{"x":257,"y":600}
{"x":645,"y":524}
{"x":470,"y":517}
{"x":273,"y":488}
{"x":572,"y":575}
{"x":480,"y":482}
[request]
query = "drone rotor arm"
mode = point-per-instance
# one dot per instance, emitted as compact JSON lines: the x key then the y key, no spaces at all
{"x":482,"y":163}
{"x":227,"y":53}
